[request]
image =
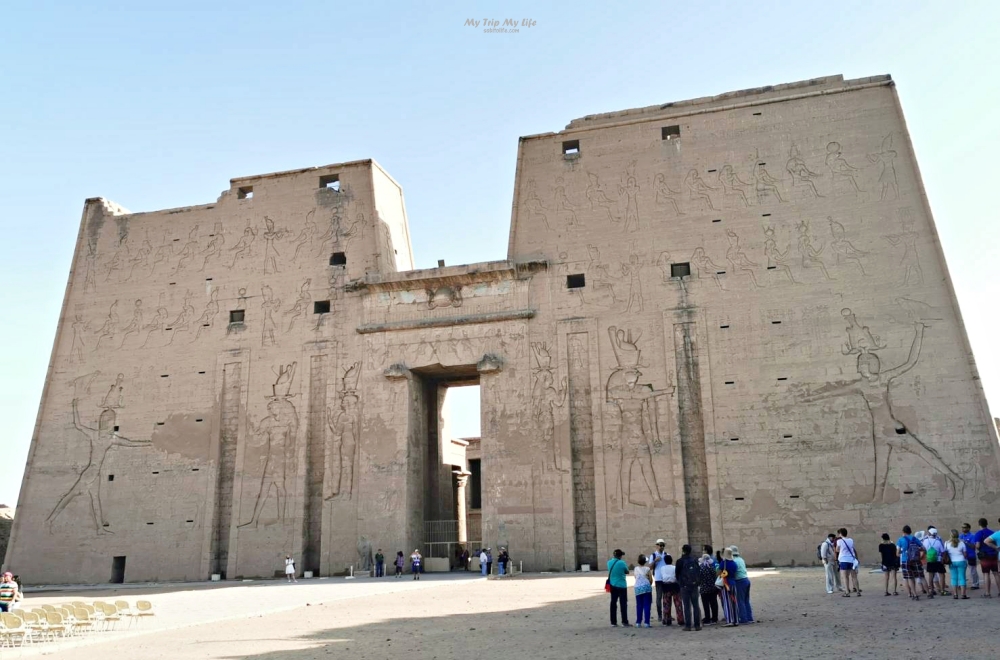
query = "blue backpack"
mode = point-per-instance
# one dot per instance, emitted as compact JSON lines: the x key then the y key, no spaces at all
{"x":913,"y":548}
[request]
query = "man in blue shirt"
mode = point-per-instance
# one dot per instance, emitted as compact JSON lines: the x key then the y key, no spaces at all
{"x":987,"y":557}
{"x":969,"y":539}
{"x":617,"y":571}
{"x":910,"y":550}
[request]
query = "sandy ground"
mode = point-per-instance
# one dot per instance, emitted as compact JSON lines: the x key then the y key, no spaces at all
{"x":557,"y":616}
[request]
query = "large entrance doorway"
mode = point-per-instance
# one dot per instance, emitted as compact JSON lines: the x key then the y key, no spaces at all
{"x":449,"y":401}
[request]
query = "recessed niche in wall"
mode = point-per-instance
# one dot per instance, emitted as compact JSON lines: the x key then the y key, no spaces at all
{"x":244,"y":192}
{"x":338,"y":259}
{"x":330,"y":182}
{"x":321,"y":307}
{"x":670,"y":132}
{"x":680,"y":270}
{"x":576,"y":281}
{"x":571,"y":148}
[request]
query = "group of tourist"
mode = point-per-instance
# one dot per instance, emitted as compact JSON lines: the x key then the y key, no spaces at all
{"x":931,"y":565}
{"x":678,"y":587}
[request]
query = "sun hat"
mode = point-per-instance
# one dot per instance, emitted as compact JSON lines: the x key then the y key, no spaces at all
{"x":660,"y":542}
{"x":727,"y":553}
{"x":736,"y":551}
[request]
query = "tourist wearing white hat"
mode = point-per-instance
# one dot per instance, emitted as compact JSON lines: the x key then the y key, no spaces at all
{"x":659,"y":574}
{"x":934,"y":548}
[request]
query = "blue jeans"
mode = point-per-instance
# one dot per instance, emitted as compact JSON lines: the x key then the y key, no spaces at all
{"x":482,"y":569}
{"x":379,"y":569}
{"x":743,"y":600}
{"x":643,"y":603}
{"x":501,"y":565}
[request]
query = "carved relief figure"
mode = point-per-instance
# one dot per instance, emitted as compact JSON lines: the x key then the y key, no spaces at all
{"x":564,"y":207}
{"x":135,"y":325}
{"x":364,"y":554}
{"x":840,"y":169}
{"x":776,"y":259}
{"x":597,"y":273}
{"x":534,"y":205}
{"x":189,"y":251}
{"x":242,"y":249}
{"x":697,"y":189}
{"x":275,"y":437}
{"x":157,"y":325}
{"x":630,"y":195}
{"x":802,"y":176}
{"x":910,"y":261}
{"x":632,"y":270}
{"x":110,"y":327}
{"x":732,"y":185}
{"x":140,"y":260}
{"x":738,"y":259}
{"x":268,"y":305}
{"x":117,"y":262}
{"x":637,"y":415}
{"x":598,"y":199}
{"x":888,"y":433}
{"x":765,"y":183}
{"x":706,"y":266}
{"x":114,"y":396}
{"x":545,"y":398}
{"x":301,"y":306}
{"x":271,"y":255}
{"x":76,"y":348}
{"x":843,"y":248}
{"x":215,"y":245}
{"x":88,"y":482}
{"x":664,"y":194}
{"x":208,"y":316}
{"x":810,"y":255}
{"x":345,"y":426}
{"x":445,"y":296}
{"x":885,"y":159}
{"x":183,"y":321}
{"x":305,"y":236}
{"x":162,"y":254}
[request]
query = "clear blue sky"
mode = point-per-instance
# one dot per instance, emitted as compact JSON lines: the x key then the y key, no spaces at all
{"x":159,"y":108}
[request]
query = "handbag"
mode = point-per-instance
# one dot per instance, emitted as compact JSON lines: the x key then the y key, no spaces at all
{"x":607,"y":583}
{"x":720,"y":581}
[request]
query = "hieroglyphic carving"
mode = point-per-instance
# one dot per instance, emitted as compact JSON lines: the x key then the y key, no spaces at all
{"x":545,"y":398}
{"x":738,"y":259}
{"x":874,"y":385}
{"x":271,"y":255}
{"x":268,"y":305}
{"x":599,"y":279}
{"x":534,"y":205}
{"x":776,"y":259}
{"x":157,"y":325}
{"x":563,"y":207}
{"x":910,"y":261}
{"x":629,"y":193}
{"x":88,"y":482}
{"x":598,"y":198}
{"x":275,"y":437}
{"x":445,"y":296}
{"x":636,"y":407}
{"x":115,"y":397}
{"x":79,"y":327}
{"x":665,"y":195}
{"x":305,"y":236}
{"x":885,"y":159}
{"x":135,"y":324}
{"x":244,"y":247}
{"x":183,"y":321}
{"x":764,"y":183}
{"x":208,"y":316}
{"x":840,"y":169}
{"x":140,"y":260}
{"x":732,"y":186}
{"x":81,"y":384}
{"x":346,"y":428}
{"x":632,"y":270}
{"x":698,"y":190}
{"x":802,"y":176}
{"x":843,"y":248}
{"x":301,"y":306}
{"x":215,"y":245}
{"x":706,"y":266}
{"x":110,"y":327}
{"x":162,"y":254}
{"x":188,"y":252}
{"x":364,"y":554}
{"x":810,"y":254}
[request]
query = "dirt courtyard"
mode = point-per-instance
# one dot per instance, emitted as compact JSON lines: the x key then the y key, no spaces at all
{"x":546,"y":616}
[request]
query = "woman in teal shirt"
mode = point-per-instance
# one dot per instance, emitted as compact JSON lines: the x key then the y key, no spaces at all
{"x":617,"y":570}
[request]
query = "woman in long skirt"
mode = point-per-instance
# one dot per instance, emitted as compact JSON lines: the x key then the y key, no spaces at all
{"x":727,"y":594}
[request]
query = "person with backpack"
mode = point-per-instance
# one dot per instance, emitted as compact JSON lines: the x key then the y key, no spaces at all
{"x":910,"y":551}
{"x":847,"y":556}
{"x":827,"y":553}
{"x":689,"y":579}
{"x":618,"y":587}
{"x":934,"y":551}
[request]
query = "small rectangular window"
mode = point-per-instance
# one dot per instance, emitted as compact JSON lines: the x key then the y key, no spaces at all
{"x":321,"y":307}
{"x":236,"y":316}
{"x":577,"y":281}
{"x":783,"y":378}
{"x":756,"y":114}
{"x":765,"y":215}
{"x":164,"y":375}
{"x":116,"y":429}
{"x":771,"y":267}
{"x":739,"y":499}
{"x":149,"y":523}
{"x":775,"y":322}
{"x":199,"y":420}
{"x":571,"y":148}
{"x":786,"y":436}
{"x":720,"y":272}
{"x":794,"y":497}
{"x":712,"y":171}
{"x":680,"y":270}
{"x":330,"y":182}
{"x":717,"y":220}
{"x":244,"y":192}
{"x":338,"y":259}
{"x":730,"y":382}
{"x":111,"y":477}
{"x":670,"y":132}
{"x":201,"y":372}
{"x":724,"y":327}
{"x":734,"y":439}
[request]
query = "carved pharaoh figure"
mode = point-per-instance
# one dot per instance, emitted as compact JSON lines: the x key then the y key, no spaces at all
{"x":275,"y":438}
{"x":545,"y":398}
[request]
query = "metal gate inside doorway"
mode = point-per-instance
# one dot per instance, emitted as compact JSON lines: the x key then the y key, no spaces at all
{"x":441,"y":539}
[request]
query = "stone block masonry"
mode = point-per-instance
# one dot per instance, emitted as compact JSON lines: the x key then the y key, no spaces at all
{"x":722,"y":320}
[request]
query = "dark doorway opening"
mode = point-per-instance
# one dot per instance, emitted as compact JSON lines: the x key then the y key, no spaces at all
{"x":118,"y":570}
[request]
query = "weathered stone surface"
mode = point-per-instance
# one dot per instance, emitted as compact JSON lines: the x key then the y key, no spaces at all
{"x":724,"y":320}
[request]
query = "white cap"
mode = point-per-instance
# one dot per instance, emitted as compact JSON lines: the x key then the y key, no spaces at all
{"x":932,"y":531}
{"x":660,"y":542}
